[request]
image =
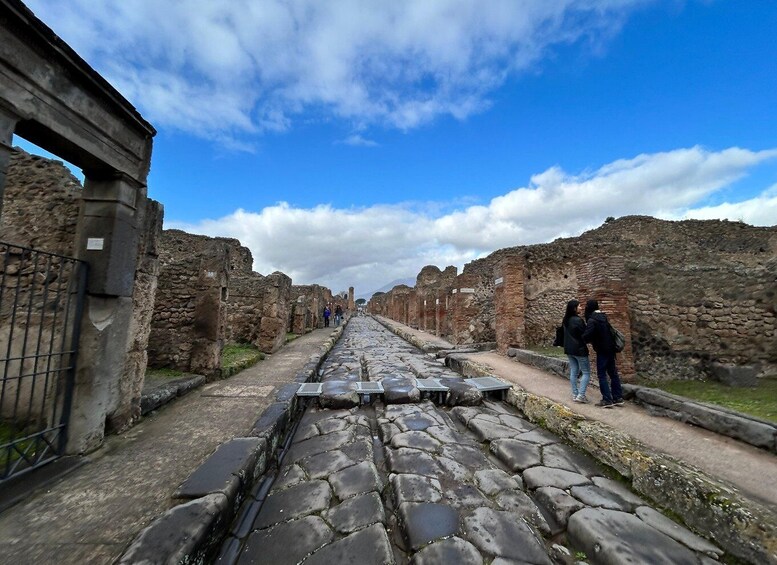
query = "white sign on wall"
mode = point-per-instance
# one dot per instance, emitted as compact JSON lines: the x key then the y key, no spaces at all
{"x":95,"y":244}
{"x":468,"y":291}
{"x":500,"y":280}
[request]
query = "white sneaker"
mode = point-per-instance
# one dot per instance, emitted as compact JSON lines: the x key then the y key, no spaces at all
{"x":582,"y":400}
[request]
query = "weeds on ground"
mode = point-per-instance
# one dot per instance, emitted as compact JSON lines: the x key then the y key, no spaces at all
{"x":759,"y":401}
{"x":555,"y":352}
{"x":163,"y":373}
{"x":238,"y":354}
{"x":291,"y":337}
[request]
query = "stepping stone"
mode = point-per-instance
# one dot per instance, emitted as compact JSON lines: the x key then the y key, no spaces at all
{"x":369,"y":546}
{"x":300,"y":500}
{"x":357,"y":479}
{"x":504,"y":534}
{"x":609,"y":536}
{"x":286,"y":544}
{"x":415,"y":488}
{"x":356,"y":513}
{"x":537,"y":477}
{"x":461,"y":393}
{"x":338,"y":394}
{"x":517,"y":455}
{"x":427,"y":522}
{"x":400,"y":390}
{"x":452,"y":550}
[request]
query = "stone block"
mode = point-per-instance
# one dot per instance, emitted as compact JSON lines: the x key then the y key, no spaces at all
{"x":369,"y":546}
{"x":506,"y":535}
{"x":287,"y":543}
{"x":227,"y":470}
{"x":427,"y":522}
{"x":734,"y":375}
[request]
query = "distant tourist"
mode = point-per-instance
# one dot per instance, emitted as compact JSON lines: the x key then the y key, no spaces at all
{"x":597,"y":333}
{"x":327,"y":313}
{"x":576,"y":350}
{"x":338,"y":315}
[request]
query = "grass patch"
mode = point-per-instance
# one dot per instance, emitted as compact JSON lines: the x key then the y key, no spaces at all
{"x":291,"y":337}
{"x":163,"y":373}
{"x":556,"y":352}
{"x":238,"y":353}
{"x":760,"y":401}
{"x":7,"y":432}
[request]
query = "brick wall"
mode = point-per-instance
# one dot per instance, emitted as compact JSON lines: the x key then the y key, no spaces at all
{"x":509,"y":303}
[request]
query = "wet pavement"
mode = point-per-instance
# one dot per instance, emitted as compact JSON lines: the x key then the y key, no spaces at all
{"x":402,"y":480}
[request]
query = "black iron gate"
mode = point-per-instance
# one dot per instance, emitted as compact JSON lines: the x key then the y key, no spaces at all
{"x":41,"y":300}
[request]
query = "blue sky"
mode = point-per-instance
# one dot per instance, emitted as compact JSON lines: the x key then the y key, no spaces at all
{"x":353,"y":142}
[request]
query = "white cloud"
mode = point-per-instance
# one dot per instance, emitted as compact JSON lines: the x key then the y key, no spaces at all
{"x":231,"y":69}
{"x":357,"y":140}
{"x":367,"y":247}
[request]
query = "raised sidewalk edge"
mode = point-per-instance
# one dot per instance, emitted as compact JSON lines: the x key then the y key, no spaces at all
{"x":193,"y":530}
{"x":744,"y":528}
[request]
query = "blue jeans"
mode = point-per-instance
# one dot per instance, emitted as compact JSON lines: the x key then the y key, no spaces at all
{"x":605,"y":365}
{"x":579,"y":364}
{"x":337,"y":319}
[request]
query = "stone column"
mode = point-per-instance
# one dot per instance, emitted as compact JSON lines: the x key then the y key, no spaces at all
{"x":604,"y":279}
{"x":210,"y":310}
{"x":351,"y":302}
{"x":7,"y":126}
{"x":412,"y":310}
{"x":107,"y":239}
{"x":464,"y":307}
{"x":509,"y":303}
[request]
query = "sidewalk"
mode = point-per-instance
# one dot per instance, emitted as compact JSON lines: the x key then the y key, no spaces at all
{"x":93,"y":513}
{"x":751,"y":470}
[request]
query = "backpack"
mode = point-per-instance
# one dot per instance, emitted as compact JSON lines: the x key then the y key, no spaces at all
{"x":618,"y":338}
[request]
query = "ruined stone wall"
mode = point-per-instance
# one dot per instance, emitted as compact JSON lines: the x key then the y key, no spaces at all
{"x":432,"y":287}
{"x":258,"y":309}
{"x":188,"y":326}
{"x":306,"y":307}
{"x":549,"y":285}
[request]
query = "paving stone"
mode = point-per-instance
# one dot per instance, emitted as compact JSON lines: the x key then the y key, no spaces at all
{"x":591,"y":495}
{"x":427,"y":522}
{"x":494,"y":481}
{"x":287,"y":543}
{"x":305,"y":432}
{"x":357,"y":479}
{"x":516,"y":454}
{"x":538,"y":436}
{"x":564,"y":457}
{"x":490,"y":431}
{"x":289,"y":476}
{"x":369,"y":546}
{"x":517,"y":423}
{"x":416,"y":422}
{"x":394,"y":411}
{"x":504,"y":534}
{"x":330,"y":425}
{"x":316,"y":445}
{"x":416,"y":440}
{"x":387,"y":430}
{"x":300,"y":500}
{"x":466,"y":454}
{"x":338,"y":394}
{"x":559,"y":504}
{"x":454,"y":470}
{"x":537,"y":477}
{"x":359,"y":450}
{"x":415,"y":488}
{"x":446,"y":434}
{"x":465,"y":414}
{"x":324,"y":464}
{"x":356,"y":513}
{"x":620,"y":489}
{"x":612,"y":537}
{"x":451,"y":550}
{"x":519,"y":502}
{"x":406,"y":460}
{"x":658,"y":521}
{"x":460,"y":495}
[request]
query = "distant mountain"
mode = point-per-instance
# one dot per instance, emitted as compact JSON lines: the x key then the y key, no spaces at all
{"x":385,"y":288}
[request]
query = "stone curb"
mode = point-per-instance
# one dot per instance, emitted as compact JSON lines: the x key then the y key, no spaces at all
{"x":422,"y":344}
{"x":558,"y":367}
{"x":193,"y":531}
{"x":754,"y":431}
{"x":166,"y":392}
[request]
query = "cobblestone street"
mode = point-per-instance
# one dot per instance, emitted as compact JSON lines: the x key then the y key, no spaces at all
{"x":404,"y":480}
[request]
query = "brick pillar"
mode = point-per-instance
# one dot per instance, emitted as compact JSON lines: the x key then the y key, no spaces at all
{"x":604,"y":279}
{"x":464,"y":307}
{"x":442,"y":312}
{"x":412,"y":309}
{"x":509,"y":303}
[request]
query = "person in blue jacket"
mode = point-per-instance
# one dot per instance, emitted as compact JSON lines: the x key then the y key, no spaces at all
{"x":597,"y":333}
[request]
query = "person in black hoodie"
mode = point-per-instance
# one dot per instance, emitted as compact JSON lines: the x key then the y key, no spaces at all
{"x":576,"y":350}
{"x":597,"y":333}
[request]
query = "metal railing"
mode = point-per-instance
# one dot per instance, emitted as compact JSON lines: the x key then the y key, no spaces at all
{"x":41,"y":302}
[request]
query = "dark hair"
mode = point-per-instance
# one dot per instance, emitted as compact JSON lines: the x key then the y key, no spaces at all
{"x":590,"y":307}
{"x":571,"y":311}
